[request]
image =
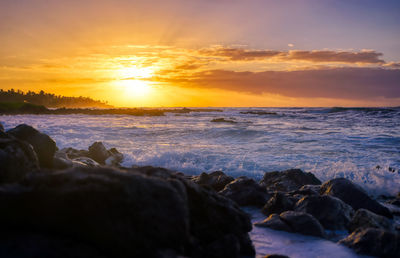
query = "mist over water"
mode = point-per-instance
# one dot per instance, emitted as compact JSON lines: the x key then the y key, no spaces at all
{"x":330,"y":142}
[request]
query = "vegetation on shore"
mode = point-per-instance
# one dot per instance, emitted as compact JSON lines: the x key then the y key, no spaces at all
{"x":50,"y":100}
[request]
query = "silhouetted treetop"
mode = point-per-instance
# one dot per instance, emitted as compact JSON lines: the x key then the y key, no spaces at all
{"x":50,"y":100}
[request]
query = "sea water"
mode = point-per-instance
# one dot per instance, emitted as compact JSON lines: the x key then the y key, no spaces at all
{"x":362,"y":144}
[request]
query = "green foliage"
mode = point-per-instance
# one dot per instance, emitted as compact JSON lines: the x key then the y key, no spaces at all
{"x":49,"y":100}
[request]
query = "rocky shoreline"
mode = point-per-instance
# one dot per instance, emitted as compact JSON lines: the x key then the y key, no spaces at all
{"x":83,"y":203}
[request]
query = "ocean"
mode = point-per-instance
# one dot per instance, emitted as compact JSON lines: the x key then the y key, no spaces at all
{"x":362,"y":144}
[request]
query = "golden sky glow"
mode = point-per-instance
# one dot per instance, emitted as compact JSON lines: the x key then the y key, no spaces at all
{"x":194,"y":54}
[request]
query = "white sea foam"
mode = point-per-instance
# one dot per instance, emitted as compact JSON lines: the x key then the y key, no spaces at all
{"x":328,"y":142}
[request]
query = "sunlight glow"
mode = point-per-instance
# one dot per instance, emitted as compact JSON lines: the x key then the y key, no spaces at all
{"x":136,"y":88}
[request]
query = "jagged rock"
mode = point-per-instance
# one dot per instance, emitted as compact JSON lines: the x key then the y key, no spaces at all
{"x":246,"y":192}
{"x":61,"y":161}
{"x":44,"y":146}
{"x":289,"y":180}
{"x":295,"y":222}
{"x":87,"y":162}
{"x":274,"y":222}
{"x":17,"y":158}
{"x":212,"y":215}
{"x":115,"y":157}
{"x":331,"y":212}
{"x":278,"y":204}
{"x":217,"y":180}
{"x":363,"y":219}
{"x":309,"y":190}
{"x":98,"y":152}
{"x":1,"y":128}
{"x":374,"y":242}
{"x":131,"y":213}
{"x":303,"y":223}
{"x":353,"y":195}
{"x":74,"y":153}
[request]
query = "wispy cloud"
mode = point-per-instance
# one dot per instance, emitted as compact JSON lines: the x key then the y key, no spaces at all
{"x":345,"y":83}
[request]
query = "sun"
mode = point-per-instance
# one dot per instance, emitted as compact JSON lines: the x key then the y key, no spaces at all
{"x":136,"y":88}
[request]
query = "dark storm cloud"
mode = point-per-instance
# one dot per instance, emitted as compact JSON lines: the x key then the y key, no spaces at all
{"x":366,"y":56}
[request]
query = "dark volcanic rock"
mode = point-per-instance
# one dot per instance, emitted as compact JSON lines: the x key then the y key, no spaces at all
{"x":295,"y":222}
{"x":115,"y":157}
{"x":303,"y":223}
{"x":87,"y":162}
{"x":98,"y":152}
{"x":366,"y":219}
{"x":61,"y":161}
{"x":278,"y":204}
{"x":17,"y":158}
{"x":34,"y":245}
{"x":134,"y":213}
{"x":246,"y":192}
{"x":44,"y":146}
{"x":353,"y":195}
{"x":331,"y":212}
{"x":223,"y":120}
{"x":274,"y":222}
{"x":374,"y":242}
{"x":276,"y":256}
{"x":289,"y":180}
{"x":212,"y":216}
{"x":74,"y":153}
{"x":216,"y":180}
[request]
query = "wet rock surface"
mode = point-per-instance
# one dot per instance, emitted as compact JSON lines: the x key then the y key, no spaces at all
{"x":17,"y":158}
{"x":44,"y":146}
{"x":353,"y":195}
{"x":216,"y":180}
{"x":363,"y":219}
{"x":246,"y":192}
{"x":289,"y":180}
{"x":331,"y":212}
{"x":278,"y":204}
{"x":127,"y":213}
{"x":374,"y":242}
{"x":294,"y":222}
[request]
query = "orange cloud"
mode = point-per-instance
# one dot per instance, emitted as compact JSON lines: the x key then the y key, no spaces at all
{"x":344,"y":83}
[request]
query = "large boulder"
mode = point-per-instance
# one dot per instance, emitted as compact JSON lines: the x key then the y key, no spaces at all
{"x":274,"y":222}
{"x":73,"y":153}
{"x":44,"y":146}
{"x":353,"y":195}
{"x":17,"y":158}
{"x":374,"y":242}
{"x":212,"y":216}
{"x":278,"y":204}
{"x":289,"y":180}
{"x":294,"y":222}
{"x":115,"y":157}
{"x":126,"y":213}
{"x":303,"y":223}
{"x":363,"y":219}
{"x":216,"y":180}
{"x":246,"y":192}
{"x":331,"y":212}
{"x":98,"y":152}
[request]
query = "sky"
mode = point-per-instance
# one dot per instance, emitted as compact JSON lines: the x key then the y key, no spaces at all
{"x":205,"y":52}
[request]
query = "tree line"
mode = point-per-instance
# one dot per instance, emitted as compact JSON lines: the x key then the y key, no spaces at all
{"x":50,"y":100}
